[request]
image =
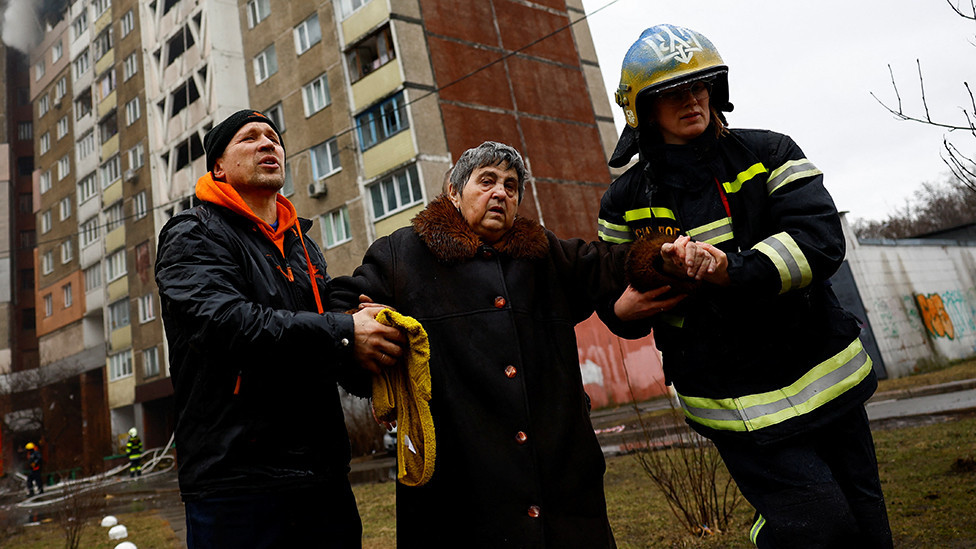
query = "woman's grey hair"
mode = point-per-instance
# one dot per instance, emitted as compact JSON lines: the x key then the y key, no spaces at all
{"x":488,"y":153}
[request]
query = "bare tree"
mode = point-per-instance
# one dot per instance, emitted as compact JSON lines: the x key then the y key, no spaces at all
{"x":932,"y":208}
{"x":963,"y":167}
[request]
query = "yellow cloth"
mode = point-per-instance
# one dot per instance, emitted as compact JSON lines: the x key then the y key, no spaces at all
{"x":403,"y":393}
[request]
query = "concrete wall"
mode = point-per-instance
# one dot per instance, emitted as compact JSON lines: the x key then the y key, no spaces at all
{"x":920,"y":298}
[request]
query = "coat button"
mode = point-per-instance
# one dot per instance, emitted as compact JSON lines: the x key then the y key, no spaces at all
{"x":534,"y":511}
{"x":510,"y":371}
{"x":521,"y":437}
{"x":499,"y":302}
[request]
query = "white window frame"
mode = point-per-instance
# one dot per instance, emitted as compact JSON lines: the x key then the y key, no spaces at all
{"x":336,"y":228}
{"x":62,"y":127}
{"x":277,"y":115}
{"x":132,"y":111}
{"x":331,"y":150}
{"x":127,"y":23}
{"x":119,"y":314}
{"x":68,"y":294}
{"x":45,"y":182}
{"x":315,"y":95}
{"x":130,"y":66}
{"x":43,"y":105}
{"x":82,"y":63}
{"x":139,"y":208}
{"x":392,"y":182}
{"x":45,"y":142}
{"x":46,"y":222}
{"x":150,"y":362}
{"x":88,"y":232}
{"x":100,"y":6}
{"x":110,"y":171}
{"x":257,"y":11}
{"x":115,"y":266}
{"x":348,"y":7}
{"x":64,"y":167}
{"x":265,"y":64}
{"x":93,"y":277}
{"x":87,"y":188}
{"x":48,"y":305}
{"x":307,"y":33}
{"x":64,"y":208}
{"x":114,"y":216}
{"x":57,"y":52}
{"x":47,"y":262}
{"x":120,"y":365}
{"x":61,"y":89}
{"x":25,"y":130}
{"x":136,"y":156}
{"x":86,"y":145}
{"x":67,"y":251}
{"x":147,"y":309}
{"x":80,"y":24}
{"x":39,"y":69}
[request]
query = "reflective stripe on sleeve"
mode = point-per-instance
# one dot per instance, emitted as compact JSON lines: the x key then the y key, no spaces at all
{"x":783,"y":251}
{"x":610,"y":232}
{"x":752,"y":171}
{"x":714,"y":232}
{"x":821,"y":384}
{"x":647,"y":213}
{"x":754,"y":532}
{"x":789,"y":172}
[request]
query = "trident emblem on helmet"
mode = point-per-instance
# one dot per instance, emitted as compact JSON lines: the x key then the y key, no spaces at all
{"x":669,"y":45}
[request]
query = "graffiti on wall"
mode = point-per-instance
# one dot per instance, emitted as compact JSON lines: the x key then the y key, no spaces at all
{"x":937,"y":320}
{"x":949,"y":314}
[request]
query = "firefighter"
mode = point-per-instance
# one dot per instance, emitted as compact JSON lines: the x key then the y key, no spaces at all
{"x":34,"y":461}
{"x":764,"y":360}
{"x":133,"y":449}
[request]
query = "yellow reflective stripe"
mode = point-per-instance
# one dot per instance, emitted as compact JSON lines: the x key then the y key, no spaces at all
{"x":821,"y":384}
{"x":784,"y":252}
{"x":753,"y":171}
{"x":754,"y":533}
{"x":647,"y":213}
{"x":789,"y":172}
{"x":610,"y":232}
{"x":714,"y":232}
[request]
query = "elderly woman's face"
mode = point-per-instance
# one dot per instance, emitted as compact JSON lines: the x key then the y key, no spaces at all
{"x":489,"y":202}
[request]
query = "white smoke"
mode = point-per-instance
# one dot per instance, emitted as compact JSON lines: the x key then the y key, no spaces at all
{"x":21,"y":25}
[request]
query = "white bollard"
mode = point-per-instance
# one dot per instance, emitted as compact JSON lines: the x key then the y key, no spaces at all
{"x":126,"y":545}
{"x":109,"y":521}
{"x":118,"y":532}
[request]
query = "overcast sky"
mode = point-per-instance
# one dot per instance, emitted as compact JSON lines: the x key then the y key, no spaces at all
{"x":806,"y":68}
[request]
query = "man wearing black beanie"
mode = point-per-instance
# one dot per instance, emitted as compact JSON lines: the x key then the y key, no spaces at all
{"x":254,"y":360}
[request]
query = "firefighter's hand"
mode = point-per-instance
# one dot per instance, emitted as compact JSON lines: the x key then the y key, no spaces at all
{"x":634,"y":305}
{"x":717,"y":271}
{"x":377,"y":346}
{"x":366,"y":302}
{"x":686,"y":258}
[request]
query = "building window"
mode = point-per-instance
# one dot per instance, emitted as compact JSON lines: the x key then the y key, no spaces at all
{"x":43,"y":105}
{"x":67,"y":251}
{"x":39,"y":69}
{"x":86,"y":145}
{"x":347,"y":7}
{"x":130,"y":66}
{"x":25,"y":165}
{"x":48,"y":305}
{"x":146,"y":309}
{"x":45,"y":182}
{"x":87,"y":188}
{"x":187,"y":151}
{"x":139,"y":209}
{"x":106,"y":85}
{"x":45,"y":143}
{"x":47,"y":262}
{"x":288,"y":188}
{"x":395,"y":192}
{"x":64,"y":167}
{"x":93,"y":277}
{"x":257,"y":11}
{"x":179,"y":43}
{"x":108,"y":127}
{"x":88,"y":232}
{"x":265,"y":64}
{"x":80,"y":24}
{"x":325,"y":159}
{"x":46,"y":222}
{"x":103,"y":42}
{"x":370,"y":53}
{"x":120,"y":365}
{"x":57,"y":51}
{"x":60,"y":89}
{"x":67,"y":294}
{"x":83,"y":105}
{"x":118,"y":314}
{"x":128,"y":23}
{"x":335,"y":226}
{"x":132,"y":111}
{"x":62,"y":127}
{"x":315,"y":95}
{"x":114,"y":217}
{"x":136,"y":157}
{"x":150,"y":362}
{"x":25,"y":131}
{"x":101,"y":6}
{"x":110,"y":172}
{"x":183,"y":96}
{"x":307,"y":34}
{"x":65,"y":208}
{"x":381,"y":122}
{"x":82,"y":64}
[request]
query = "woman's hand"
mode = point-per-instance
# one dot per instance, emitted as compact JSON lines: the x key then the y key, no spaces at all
{"x":686,"y":257}
{"x":634,"y":305}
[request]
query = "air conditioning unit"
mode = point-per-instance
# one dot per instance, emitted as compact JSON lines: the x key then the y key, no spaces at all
{"x":129,"y":175}
{"x":317,"y":189}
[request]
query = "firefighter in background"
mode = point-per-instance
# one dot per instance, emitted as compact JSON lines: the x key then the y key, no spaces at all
{"x":763,"y":358}
{"x":133,"y":449}
{"x":34,"y":461}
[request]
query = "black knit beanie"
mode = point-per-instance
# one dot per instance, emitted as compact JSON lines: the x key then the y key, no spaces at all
{"x":220,"y":135}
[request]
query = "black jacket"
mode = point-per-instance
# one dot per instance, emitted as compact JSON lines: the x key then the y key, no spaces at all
{"x":254,"y":366}
{"x":503,"y":361}
{"x":775,"y":347}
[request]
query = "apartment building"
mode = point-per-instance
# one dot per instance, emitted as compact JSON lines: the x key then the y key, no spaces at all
{"x":375,"y":99}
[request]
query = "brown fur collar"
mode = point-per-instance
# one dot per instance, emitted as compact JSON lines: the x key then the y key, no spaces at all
{"x":450,"y":239}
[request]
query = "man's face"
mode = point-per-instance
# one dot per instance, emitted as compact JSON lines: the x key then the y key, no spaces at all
{"x":254,"y":159}
{"x":489,"y":201}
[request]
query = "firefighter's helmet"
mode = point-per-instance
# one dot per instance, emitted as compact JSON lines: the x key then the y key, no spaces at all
{"x":133,"y":432}
{"x":667,"y":56}
{"x":30,"y":446}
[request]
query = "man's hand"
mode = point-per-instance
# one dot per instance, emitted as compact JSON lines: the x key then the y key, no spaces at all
{"x":634,"y":305}
{"x":377,"y":345}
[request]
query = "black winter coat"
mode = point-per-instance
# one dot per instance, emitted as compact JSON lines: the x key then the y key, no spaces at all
{"x":254,"y":366}
{"x":518,"y":464}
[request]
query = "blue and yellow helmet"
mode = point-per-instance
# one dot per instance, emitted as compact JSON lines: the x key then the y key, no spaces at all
{"x":667,"y":56}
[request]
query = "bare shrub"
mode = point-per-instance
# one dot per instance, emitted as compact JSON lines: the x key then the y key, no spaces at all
{"x":78,"y":503}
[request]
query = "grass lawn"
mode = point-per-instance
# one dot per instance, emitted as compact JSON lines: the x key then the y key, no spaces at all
{"x":146,"y":529}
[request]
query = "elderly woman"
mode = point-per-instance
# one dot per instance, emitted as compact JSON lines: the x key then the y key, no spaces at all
{"x":517,"y":463}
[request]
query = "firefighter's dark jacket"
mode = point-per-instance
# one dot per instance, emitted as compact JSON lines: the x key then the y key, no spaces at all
{"x":253,"y":364}
{"x":774,"y":354}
